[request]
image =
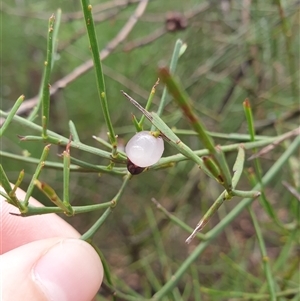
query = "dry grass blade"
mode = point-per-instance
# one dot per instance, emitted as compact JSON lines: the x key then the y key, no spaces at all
{"x":271,"y":146}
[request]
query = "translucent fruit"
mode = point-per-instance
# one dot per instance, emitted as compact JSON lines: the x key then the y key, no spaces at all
{"x":144,"y":150}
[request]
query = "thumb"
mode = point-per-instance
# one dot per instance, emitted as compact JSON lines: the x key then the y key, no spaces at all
{"x":57,"y":269}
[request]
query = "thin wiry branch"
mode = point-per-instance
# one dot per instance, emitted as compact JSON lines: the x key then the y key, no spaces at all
{"x":83,"y":68}
{"x":66,"y":17}
{"x":161,"y":31}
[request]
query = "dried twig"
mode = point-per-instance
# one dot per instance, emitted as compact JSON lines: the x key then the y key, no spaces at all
{"x":292,"y":190}
{"x":80,"y":70}
{"x":66,"y":17}
{"x":161,"y":31}
{"x":271,"y":146}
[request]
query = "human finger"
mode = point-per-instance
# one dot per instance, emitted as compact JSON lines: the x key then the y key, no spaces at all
{"x":59,"y":269}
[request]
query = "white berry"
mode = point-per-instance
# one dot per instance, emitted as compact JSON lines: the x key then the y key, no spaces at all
{"x":144,"y":150}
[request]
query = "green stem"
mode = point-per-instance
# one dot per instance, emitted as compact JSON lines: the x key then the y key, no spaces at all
{"x":148,"y":104}
{"x":185,"y":104}
{"x":73,"y":131}
{"x":225,"y":222}
{"x":34,"y":112}
{"x":238,"y":166}
{"x":176,"y":220}
{"x":249,"y":117}
{"x":275,"y":169}
{"x":233,"y":295}
{"x":53,"y":197}
{"x":36,"y":175}
{"x":46,"y":79}
{"x":81,"y":166}
{"x":265,"y":258}
{"x":173,"y":65}
{"x":4,"y":182}
{"x":61,"y":140}
{"x":18,"y":183}
{"x":66,"y":181}
{"x":32,"y":210}
{"x":264,"y":202}
{"x":237,"y":169}
{"x":11,"y":114}
{"x":91,"y":232}
{"x":288,"y":38}
{"x":89,"y":22}
{"x":230,"y":136}
{"x":245,"y":194}
{"x":11,"y":196}
{"x":162,"y":162}
{"x":226,"y":148}
{"x":207,"y":216}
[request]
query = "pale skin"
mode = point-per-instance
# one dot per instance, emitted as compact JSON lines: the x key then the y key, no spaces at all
{"x":42,"y":258}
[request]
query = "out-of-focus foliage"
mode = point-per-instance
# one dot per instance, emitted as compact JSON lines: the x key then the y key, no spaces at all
{"x":235,"y":49}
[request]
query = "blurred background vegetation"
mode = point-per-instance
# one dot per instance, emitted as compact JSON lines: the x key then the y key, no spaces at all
{"x":235,"y":50}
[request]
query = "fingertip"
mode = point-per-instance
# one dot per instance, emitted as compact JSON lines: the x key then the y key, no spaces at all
{"x":17,"y":231}
{"x":52,"y":269}
{"x":70,"y":270}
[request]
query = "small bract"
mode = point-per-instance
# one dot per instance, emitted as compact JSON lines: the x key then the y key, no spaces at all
{"x":144,"y":150}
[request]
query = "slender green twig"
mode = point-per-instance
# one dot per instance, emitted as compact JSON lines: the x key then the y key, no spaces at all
{"x":36,"y":175}
{"x":11,"y":114}
{"x":53,"y":197}
{"x":66,"y":181}
{"x":207,"y":216}
{"x":134,"y":296}
{"x":184,"y":102}
{"x":245,"y":194}
{"x":161,"y":252}
{"x":90,"y":233}
{"x":288,"y":38}
{"x":226,"y":136}
{"x":58,"y":139}
{"x":204,"y":152}
{"x":4,"y":180}
{"x":173,"y":64}
{"x":121,"y":171}
{"x":237,"y":170}
{"x":103,"y":142}
{"x":32,"y":210}
{"x":11,"y":195}
{"x":238,"y":165}
{"x":282,"y":258}
{"x":265,"y":258}
{"x":157,"y":240}
{"x":89,"y":22}
{"x":213,"y":168}
{"x":61,"y":140}
{"x":247,"y":296}
{"x":212,"y":234}
{"x":148,"y":105}
{"x":241,"y":270}
{"x":264,"y":202}
{"x":196,"y":283}
{"x":46,"y":79}
{"x":79,"y":166}
{"x":249,"y":118}
{"x":73,"y":131}
{"x":176,"y":220}
{"x":105,"y":265}
{"x":18,"y":183}
{"x":55,"y":35}
{"x":35,"y":110}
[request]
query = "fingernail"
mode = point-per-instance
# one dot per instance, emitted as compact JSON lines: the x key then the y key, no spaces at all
{"x":69,"y":270}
